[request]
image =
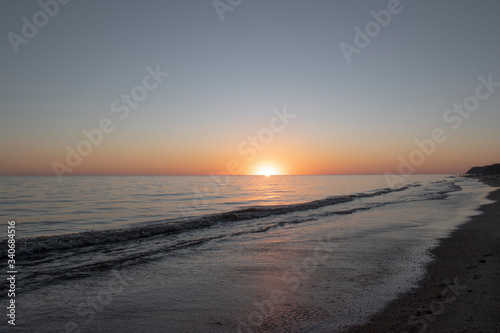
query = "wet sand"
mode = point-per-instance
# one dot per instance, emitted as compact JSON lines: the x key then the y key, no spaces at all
{"x":460,"y":292}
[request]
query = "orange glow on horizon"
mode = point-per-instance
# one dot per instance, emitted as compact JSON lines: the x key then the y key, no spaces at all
{"x":267,"y":170}
{"x":122,"y":156}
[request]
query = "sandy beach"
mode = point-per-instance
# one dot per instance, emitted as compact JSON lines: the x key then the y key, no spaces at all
{"x":460,"y":290}
{"x":317,"y":266}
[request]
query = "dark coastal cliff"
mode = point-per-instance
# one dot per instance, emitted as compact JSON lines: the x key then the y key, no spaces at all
{"x":485,"y":170}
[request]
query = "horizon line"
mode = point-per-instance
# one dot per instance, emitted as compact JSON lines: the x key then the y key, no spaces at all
{"x":204,"y":175}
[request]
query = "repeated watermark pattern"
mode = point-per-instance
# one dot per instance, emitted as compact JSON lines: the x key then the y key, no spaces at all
{"x":87,"y":311}
{"x":120,"y":106}
{"x":363,"y":37}
{"x":248,"y":148}
{"x":223,"y":6}
{"x":292,"y":279}
{"x":454,"y":118}
{"x":426,"y":314}
{"x":30,"y":27}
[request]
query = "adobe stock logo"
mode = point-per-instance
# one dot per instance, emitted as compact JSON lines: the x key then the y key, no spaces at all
{"x":122,"y":107}
{"x":250,"y":147}
{"x":29,"y":29}
{"x":372,"y":29}
{"x":452,"y":117}
{"x":225,"y":6}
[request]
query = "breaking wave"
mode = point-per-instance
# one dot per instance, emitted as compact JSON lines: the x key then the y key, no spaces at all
{"x":42,"y":244}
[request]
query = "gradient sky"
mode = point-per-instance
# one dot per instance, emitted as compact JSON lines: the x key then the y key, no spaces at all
{"x":226,"y":78}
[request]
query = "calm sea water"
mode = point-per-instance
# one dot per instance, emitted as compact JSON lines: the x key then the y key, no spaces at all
{"x":201,"y":254}
{"x":43,"y":206}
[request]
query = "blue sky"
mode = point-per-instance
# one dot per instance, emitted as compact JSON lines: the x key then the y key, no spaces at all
{"x":227,"y":76}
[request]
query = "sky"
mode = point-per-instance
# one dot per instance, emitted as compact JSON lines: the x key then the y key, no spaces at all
{"x":246,"y":87}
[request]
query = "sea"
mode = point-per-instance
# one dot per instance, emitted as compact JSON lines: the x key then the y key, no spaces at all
{"x":219,"y":253}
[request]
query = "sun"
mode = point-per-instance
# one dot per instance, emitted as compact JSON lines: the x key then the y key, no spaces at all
{"x":267,"y":170}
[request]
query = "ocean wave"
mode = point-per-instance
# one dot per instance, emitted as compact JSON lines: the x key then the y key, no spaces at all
{"x":43,"y":244}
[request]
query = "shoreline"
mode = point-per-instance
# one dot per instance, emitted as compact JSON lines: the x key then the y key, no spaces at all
{"x":459,"y":292}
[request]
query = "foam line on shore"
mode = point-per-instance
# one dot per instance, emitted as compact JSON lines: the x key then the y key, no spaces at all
{"x":467,"y":264}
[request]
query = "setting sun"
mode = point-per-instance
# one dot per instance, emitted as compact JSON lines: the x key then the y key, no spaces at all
{"x":267,"y":170}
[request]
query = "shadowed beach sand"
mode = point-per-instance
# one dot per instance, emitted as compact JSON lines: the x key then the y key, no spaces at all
{"x":460,"y":292}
